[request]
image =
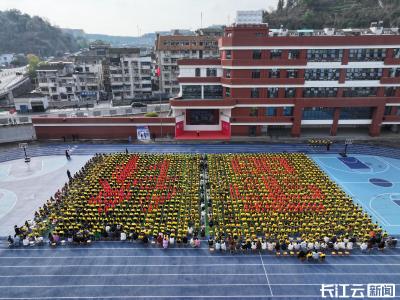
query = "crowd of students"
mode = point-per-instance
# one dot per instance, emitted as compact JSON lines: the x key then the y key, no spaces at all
{"x":242,"y":202}
{"x":280,"y":197}
{"x":144,"y":193}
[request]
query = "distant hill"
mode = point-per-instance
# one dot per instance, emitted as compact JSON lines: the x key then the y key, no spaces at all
{"x":317,"y":14}
{"x":21,"y":33}
{"x":146,"y":40}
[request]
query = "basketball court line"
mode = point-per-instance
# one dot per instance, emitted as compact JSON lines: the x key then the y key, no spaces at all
{"x":199,"y":274}
{"x":198,"y":265}
{"x":346,"y":189}
{"x":266,"y":275}
{"x":162,"y":285}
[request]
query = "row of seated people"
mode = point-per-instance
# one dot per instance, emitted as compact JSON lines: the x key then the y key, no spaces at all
{"x":292,"y":246}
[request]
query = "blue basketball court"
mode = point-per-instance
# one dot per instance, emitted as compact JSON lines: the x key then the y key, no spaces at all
{"x":372,"y":181}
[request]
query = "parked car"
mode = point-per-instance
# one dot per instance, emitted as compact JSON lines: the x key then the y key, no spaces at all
{"x":138,"y":104}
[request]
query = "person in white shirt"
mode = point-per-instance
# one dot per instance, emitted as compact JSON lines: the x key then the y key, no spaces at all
{"x":315,"y":255}
{"x":217,"y":245}
{"x":254,"y":246}
{"x":303,"y":246}
{"x":25,"y":241}
{"x":123,"y":236}
{"x":342,"y":245}
{"x":223,"y":246}
{"x":270,"y":246}
{"x":290,"y":247}
{"x":326,"y":240}
{"x":264,"y":245}
{"x":296,"y":246}
{"x":172,"y":240}
{"x":349,"y":246}
{"x":336,"y":246}
{"x":317,"y":245}
{"x":190,"y":230}
{"x":364,"y":246}
{"x":310,"y":246}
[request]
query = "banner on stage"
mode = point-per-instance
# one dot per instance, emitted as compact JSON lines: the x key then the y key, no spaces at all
{"x":143,"y":133}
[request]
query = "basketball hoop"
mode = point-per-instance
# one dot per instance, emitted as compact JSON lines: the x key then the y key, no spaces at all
{"x":24,"y":146}
{"x":348,"y":142}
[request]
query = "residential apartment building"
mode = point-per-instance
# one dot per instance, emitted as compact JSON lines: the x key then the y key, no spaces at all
{"x":130,"y":72}
{"x":171,"y":48}
{"x":291,"y":81}
{"x":57,"y":81}
{"x":89,"y":75}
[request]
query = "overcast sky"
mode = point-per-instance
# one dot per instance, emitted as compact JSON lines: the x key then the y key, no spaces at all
{"x":129,"y":17}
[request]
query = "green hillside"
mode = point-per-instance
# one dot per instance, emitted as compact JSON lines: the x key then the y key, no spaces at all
{"x":21,"y":33}
{"x":298,"y":14}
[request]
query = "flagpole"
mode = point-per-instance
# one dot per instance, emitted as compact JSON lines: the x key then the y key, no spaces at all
{"x":161,"y":119}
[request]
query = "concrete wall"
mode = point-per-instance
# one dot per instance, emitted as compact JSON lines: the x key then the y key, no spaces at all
{"x":17,"y":133}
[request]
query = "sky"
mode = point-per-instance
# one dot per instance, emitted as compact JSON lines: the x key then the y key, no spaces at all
{"x":134,"y":17}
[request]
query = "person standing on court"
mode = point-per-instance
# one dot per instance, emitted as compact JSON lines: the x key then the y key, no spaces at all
{"x":67,"y":155}
{"x":69,"y":175}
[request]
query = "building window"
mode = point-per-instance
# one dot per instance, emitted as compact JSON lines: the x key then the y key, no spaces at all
{"x":288,"y":111}
{"x":212,"y":92}
{"x":227,"y":73}
{"x":271,"y":111}
{"x":360,"y":92}
{"x":228,"y":54}
{"x":255,"y":93}
{"x":294,"y":54}
{"x":388,"y":110}
{"x":396,"y":53}
{"x":367,"y":54}
{"x":272,"y":92}
{"x":274,"y":73}
{"x":198,"y":72}
{"x":324,"y":54}
{"x":191,"y":91}
{"x":292,"y":73}
{"x":394,"y":72}
{"x":318,"y":113}
{"x":227,"y":92}
{"x":211,"y":72}
{"x":319,"y":92}
{"x":363,"y":74}
{"x":321,"y":74}
{"x":290,"y":92}
{"x":256,"y":54}
{"x":275,"y":54}
{"x":390,"y":91}
{"x":255,"y":74}
{"x":347,"y":113}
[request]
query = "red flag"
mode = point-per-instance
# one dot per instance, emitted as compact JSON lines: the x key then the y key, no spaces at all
{"x":158,"y":72}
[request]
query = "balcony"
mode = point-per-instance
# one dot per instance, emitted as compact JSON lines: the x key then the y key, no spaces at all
{"x":263,"y":62}
{"x":262,"y":81}
{"x":202,"y":103}
{"x":262,"y":119}
{"x":199,"y":79}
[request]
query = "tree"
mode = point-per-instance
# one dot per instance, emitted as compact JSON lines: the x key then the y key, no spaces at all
{"x":33,"y":63}
{"x":280,"y":5}
{"x":290,"y":4}
{"x":19,"y":61}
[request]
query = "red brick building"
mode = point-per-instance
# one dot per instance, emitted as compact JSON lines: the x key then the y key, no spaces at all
{"x":291,"y":80}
